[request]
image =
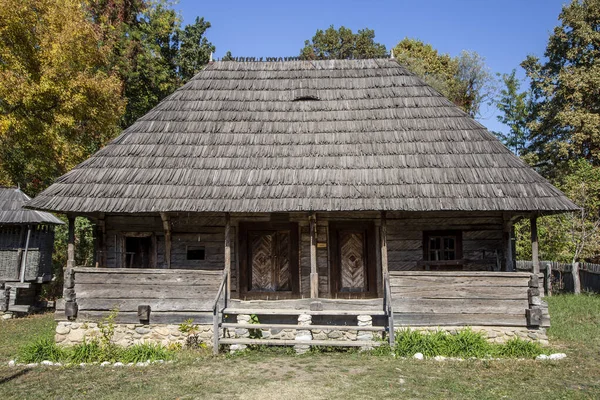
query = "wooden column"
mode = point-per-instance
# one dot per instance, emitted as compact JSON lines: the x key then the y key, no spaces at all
{"x":535,"y":246}
{"x":227,"y":267}
{"x":314,"y":276}
{"x":101,"y":241}
{"x":167,"y":228}
{"x":71,"y":243}
{"x":383,"y":243}
{"x":508,"y":253}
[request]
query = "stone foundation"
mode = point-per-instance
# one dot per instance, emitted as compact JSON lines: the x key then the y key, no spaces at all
{"x":71,"y":333}
{"x":494,"y":334}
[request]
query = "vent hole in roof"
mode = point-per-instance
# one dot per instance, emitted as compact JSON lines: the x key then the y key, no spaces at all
{"x":304,"y":95}
{"x":307,"y":98}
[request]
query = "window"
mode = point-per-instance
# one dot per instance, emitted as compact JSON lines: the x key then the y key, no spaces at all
{"x":442,"y":245}
{"x":195,"y":253}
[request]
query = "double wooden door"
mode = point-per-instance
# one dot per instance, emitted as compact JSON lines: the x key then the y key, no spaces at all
{"x":269,"y":262}
{"x":353,"y":259}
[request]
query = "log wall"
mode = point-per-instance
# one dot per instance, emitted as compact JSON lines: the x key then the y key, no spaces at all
{"x":173,"y":295}
{"x":422,"y":298}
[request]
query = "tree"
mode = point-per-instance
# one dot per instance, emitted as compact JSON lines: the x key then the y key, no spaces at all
{"x":227,"y":57}
{"x":514,"y":106}
{"x":465,"y":80}
{"x":342,"y":44}
{"x":59,"y":99}
{"x":195,"y":49}
{"x":566,"y":90}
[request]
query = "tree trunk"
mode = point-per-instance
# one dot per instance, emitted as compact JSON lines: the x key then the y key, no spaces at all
{"x":576,"y":281}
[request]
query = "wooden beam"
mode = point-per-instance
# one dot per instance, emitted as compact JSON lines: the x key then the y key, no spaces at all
{"x":383,"y":243}
{"x":227,"y":267}
{"x":576,"y":280}
{"x":314,"y":276}
{"x":101,"y":242}
{"x":508,"y":253}
{"x":167,"y":228}
{"x":535,"y":246}
{"x":71,"y":243}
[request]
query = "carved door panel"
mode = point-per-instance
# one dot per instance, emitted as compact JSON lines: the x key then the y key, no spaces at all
{"x":353,"y":259}
{"x":270,"y":261}
{"x":353,"y":266}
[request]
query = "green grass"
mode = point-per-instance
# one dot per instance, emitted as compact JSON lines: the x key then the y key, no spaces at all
{"x":277,"y":374}
{"x":464,"y":344}
{"x":16,"y":333}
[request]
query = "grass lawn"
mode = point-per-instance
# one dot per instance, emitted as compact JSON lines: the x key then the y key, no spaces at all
{"x":276,"y":375}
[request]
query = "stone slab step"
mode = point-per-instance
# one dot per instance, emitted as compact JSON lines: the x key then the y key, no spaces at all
{"x":283,"y":311}
{"x":284,"y":342}
{"x":304,"y":327}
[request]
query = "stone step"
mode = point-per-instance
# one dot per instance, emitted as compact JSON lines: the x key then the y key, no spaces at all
{"x":288,"y":342}
{"x":284,"y":311}
{"x":304,"y":327}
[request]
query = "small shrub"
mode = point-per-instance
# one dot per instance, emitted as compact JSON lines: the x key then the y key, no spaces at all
{"x":41,"y":350}
{"x":191,"y":331}
{"x":94,"y":351}
{"x":464,"y":344}
{"x":145,"y":352}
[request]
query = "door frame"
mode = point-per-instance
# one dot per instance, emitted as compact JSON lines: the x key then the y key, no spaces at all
{"x":244,"y":255}
{"x":368,"y":230}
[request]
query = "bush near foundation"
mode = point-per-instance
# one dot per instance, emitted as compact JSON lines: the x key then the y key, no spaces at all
{"x":464,"y":344}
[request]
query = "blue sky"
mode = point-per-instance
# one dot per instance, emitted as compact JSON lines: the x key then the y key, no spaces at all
{"x":504,"y":32}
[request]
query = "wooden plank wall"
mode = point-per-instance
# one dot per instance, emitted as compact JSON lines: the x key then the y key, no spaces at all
{"x":173,"y":295}
{"x":423,"y":298}
{"x":482,"y":237}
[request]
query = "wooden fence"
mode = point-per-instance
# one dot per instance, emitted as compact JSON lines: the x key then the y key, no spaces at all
{"x":434,"y":298}
{"x":562,"y":276}
{"x":172,"y":295}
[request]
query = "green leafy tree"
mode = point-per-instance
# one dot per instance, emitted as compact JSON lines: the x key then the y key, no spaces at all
{"x":227,"y":57}
{"x":59,"y":99}
{"x":514,"y":107}
{"x":342,"y":43}
{"x":194,"y":50}
{"x":465,"y":80}
{"x":573,"y":236}
{"x":566,"y":90}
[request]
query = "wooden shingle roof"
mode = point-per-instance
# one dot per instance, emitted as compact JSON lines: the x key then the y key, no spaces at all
{"x":334,"y":135}
{"x":12,"y":212}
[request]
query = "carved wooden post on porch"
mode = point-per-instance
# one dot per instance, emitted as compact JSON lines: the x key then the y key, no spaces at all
{"x":228,"y":252}
{"x":508,"y":254}
{"x":383,"y":243}
{"x":535,"y":257}
{"x":314,"y":276}
{"x":71,"y":242}
{"x":100,"y":242}
{"x":167,"y":228}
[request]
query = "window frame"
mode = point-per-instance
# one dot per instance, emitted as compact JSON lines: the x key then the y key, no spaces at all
{"x":443,"y":234}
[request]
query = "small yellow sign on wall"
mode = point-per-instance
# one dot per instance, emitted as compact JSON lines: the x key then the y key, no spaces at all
{"x":321,"y":245}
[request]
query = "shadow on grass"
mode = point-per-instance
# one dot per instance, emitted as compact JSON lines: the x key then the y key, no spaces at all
{"x":14,"y":376}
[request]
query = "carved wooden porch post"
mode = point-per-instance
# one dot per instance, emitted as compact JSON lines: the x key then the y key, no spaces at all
{"x":227,"y":267}
{"x":167,"y":228}
{"x":383,"y":243}
{"x":71,"y":242}
{"x":314,"y":276}
{"x":534,"y":245}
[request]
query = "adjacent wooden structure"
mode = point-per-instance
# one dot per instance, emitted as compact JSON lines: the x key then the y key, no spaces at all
{"x":26,"y":243}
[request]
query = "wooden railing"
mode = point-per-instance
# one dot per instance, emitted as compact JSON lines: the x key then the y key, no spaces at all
{"x":173,"y":296}
{"x":217,"y":312}
{"x":461,"y":298}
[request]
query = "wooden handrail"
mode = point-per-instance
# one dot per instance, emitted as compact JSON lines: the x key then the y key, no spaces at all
{"x":387,"y":294}
{"x":216,"y":311}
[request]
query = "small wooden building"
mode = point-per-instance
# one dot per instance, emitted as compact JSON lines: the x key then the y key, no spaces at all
{"x":346,"y":192}
{"x":26,"y":244}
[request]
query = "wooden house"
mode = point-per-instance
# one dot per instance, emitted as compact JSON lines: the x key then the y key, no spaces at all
{"x":26,"y":244}
{"x":345,"y":196}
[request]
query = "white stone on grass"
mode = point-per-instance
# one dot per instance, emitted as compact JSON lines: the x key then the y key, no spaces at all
{"x":82,"y":364}
{"x":439,"y":358}
{"x":105,"y":363}
{"x":557,"y":356}
{"x":12,"y":363}
{"x":31,"y":365}
{"x":541,"y":357}
{"x":47,"y":363}
{"x":118,"y":364}
{"x":418,"y":356}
